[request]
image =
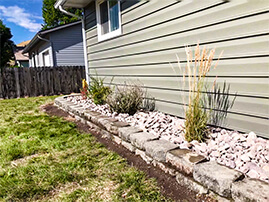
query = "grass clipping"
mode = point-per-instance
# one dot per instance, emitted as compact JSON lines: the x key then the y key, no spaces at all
{"x":194,"y":74}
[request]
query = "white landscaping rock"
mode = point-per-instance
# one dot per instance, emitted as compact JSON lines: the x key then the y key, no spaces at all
{"x":244,"y":148}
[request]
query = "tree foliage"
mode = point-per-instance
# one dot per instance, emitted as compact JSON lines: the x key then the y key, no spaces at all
{"x":6,"y":45}
{"x":53,"y":17}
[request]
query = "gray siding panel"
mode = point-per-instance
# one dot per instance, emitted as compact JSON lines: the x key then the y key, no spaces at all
{"x":68,"y":46}
{"x":155,"y":31}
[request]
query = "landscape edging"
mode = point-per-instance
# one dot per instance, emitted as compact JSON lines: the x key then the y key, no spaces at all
{"x":167,"y":157}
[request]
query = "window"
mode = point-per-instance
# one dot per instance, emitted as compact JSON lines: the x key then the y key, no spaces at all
{"x":46,"y":59}
{"x":108,"y":19}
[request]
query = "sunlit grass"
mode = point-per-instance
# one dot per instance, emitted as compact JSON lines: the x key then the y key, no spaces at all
{"x":47,"y":158}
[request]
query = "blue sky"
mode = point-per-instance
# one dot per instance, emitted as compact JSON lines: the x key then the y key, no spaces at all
{"x":23,"y":17}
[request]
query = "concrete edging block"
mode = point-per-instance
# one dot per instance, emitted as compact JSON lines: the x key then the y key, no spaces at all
{"x":143,"y":155}
{"x":125,"y":132}
{"x":184,"y":159}
{"x":157,"y":149}
{"x":250,"y":190}
{"x":139,"y":139}
{"x":216,"y":177}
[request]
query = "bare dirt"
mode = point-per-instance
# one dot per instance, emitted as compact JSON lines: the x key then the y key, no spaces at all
{"x":168,"y":184}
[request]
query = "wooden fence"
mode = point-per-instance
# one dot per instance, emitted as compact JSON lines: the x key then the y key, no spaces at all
{"x":35,"y":81}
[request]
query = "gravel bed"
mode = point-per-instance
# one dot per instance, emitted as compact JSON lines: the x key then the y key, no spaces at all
{"x":244,"y":152}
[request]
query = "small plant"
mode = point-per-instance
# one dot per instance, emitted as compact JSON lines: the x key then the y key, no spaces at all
{"x":84,"y":90}
{"x":126,"y":99}
{"x":218,"y":102}
{"x":196,"y":72}
{"x":98,"y":92}
{"x":148,"y":103}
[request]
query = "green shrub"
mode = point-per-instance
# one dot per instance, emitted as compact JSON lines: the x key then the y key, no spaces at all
{"x":126,"y":99}
{"x":98,"y":92}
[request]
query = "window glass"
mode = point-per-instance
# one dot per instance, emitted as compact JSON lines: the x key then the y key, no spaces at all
{"x":104,"y":17}
{"x":114,"y":15}
{"x":108,"y":19}
{"x":46,"y":59}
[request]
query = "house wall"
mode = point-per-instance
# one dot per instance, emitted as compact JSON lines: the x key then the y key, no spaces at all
{"x":38,"y":50}
{"x":68,"y":46}
{"x":155,"y":31}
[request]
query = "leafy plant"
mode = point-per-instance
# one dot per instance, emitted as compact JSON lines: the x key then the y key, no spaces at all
{"x":98,"y":91}
{"x":218,"y":102}
{"x":196,"y":72}
{"x":53,"y":17}
{"x":6,"y":45}
{"x":126,"y":99}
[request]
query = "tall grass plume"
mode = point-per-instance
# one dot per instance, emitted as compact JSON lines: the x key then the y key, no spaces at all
{"x":198,"y":66}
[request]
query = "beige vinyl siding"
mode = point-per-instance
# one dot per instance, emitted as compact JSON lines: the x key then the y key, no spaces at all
{"x":155,"y":31}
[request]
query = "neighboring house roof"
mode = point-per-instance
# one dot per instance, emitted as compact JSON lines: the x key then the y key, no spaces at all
{"x":23,"y":44}
{"x":19,"y":56}
{"x":42,"y":33}
{"x":72,"y":3}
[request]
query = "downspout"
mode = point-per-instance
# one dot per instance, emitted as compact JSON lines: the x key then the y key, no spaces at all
{"x":51,"y":45}
{"x":83,"y":38}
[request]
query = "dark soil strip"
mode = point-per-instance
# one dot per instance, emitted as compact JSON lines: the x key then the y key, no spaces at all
{"x":169,"y":187}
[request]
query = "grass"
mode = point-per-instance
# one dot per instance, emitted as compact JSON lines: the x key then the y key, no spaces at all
{"x":45,"y":158}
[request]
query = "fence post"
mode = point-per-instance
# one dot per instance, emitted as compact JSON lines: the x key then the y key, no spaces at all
{"x":17,"y":80}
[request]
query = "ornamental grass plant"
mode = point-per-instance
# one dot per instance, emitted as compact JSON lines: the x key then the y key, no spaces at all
{"x":218,"y":102}
{"x":194,"y":74}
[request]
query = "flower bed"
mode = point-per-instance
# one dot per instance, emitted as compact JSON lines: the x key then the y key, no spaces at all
{"x":244,"y":152}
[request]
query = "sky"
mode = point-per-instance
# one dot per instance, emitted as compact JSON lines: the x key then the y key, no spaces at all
{"x":23,"y":17}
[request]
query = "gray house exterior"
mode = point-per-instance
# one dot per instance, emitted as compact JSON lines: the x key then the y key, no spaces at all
{"x":153,"y":32}
{"x":59,"y":46}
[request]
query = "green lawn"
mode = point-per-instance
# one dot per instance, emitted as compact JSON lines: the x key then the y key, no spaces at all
{"x":47,"y":158}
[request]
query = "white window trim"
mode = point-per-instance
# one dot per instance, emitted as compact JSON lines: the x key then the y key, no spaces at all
{"x":41,"y":63}
{"x":102,"y":37}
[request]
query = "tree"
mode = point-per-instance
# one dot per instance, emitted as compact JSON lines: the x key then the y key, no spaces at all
{"x":6,"y":45}
{"x":53,"y":17}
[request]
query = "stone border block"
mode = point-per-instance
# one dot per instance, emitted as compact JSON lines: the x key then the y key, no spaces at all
{"x":190,"y":183}
{"x":250,"y":190}
{"x":165,"y":168}
{"x":113,"y":125}
{"x":125,"y":132}
{"x":216,"y":177}
{"x":116,"y":139}
{"x":143,"y":155}
{"x":92,"y":116}
{"x":139,"y":139}
{"x":184,"y":159}
{"x":128,"y":146}
{"x":157,"y":149}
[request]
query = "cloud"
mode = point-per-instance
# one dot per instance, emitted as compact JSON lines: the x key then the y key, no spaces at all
{"x":20,"y":17}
